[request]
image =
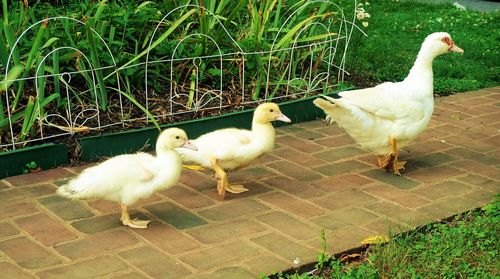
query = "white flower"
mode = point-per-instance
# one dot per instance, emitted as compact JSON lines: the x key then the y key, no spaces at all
{"x":459,"y":6}
{"x":365,"y":24}
{"x":360,"y":15}
{"x":296,"y":261}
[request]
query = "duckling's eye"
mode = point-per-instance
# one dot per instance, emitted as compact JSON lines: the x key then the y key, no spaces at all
{"x":272,"y":110}
{"x":177,"y":137}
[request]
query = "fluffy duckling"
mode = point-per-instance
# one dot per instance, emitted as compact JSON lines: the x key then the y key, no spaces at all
{"x":386,"y":117}
{"x":229,"y":149}
{"x":128,"y":178}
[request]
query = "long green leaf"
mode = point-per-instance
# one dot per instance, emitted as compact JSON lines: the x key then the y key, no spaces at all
{"x":103,"y":95}
{"x":173,"y":26}
{"x":29,"y":111}
{"x":288,"y":36}
{"x":35,"y":48}
{"x":134,"y":101}
{"x":9,"y":79}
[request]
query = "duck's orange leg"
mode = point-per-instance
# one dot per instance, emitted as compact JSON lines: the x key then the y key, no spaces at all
{"x":222,"y":181}
{"x":396,"y":165}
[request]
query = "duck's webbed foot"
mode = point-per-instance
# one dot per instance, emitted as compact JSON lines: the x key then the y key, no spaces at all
{"x":236,"y":188}
{"x":135,"y":224}
{"x":390,"y":162}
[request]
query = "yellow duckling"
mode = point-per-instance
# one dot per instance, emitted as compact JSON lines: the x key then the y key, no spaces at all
{"x":229,"y":149}
{"x":128,"y":178}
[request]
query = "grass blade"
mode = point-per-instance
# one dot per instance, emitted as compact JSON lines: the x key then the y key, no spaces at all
{"x":103,"y":94}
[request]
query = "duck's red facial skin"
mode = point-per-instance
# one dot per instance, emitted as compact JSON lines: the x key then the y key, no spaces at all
{"x":449,"y":42}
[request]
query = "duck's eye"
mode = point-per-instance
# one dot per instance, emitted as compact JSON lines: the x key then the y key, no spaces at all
{"x":177,"y":137}
{"x":272,"y":110}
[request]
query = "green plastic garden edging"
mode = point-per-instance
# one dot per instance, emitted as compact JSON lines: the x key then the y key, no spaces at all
{"x":52,"y":155}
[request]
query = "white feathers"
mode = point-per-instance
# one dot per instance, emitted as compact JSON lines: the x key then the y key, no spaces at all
{"x":399,"y":110}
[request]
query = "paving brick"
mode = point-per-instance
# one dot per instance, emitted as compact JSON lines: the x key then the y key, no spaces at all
{"x":215,"y":256}
{"x":332,"y":155}
{"x":7,"y":229}
{"x":96,"y":244}
{"x":386,"y":227}
{"x":129,"y":275}
{"x":12,"y":271}
{"x":478,"y":168}
{"x":197,"y":180}
{"x":254,"y":189}
{"x":481,"y":196}
{"x":306,"y":146}
{"x":438,"y":173}
{"x":175,"y":216}
{"x":341,"y":168}
{"x":475,"y":156}
{"x":345,"y":218}
{"x":27,"y":253}
{"x":307,"y":134}
{"x":228,"y":272}
{"x":295,"y":171}
{"x":330,"y":129}
{"x":399,"y":181}
{"x":336,"y":141}
{"x":99,"y":223}
{"x":16,"y":209}
{"x":92,"y":268}
{"x":107,"y":207}
{"x":432,"y":160}
{"x":289,"y":225}
{"x":399,"y":213}
{"x":45,"y":176}
{"x":214,"y":233}
{"x":3,"y":185}
{"x":234,"y":209}
{"x":265,"y":265}
{"x":167,"y":239}
{"x":282,"y":246}
{"x":154,"y":263}
{"x":24,"y":193}
{"x":342,"y":182}
{"x":187,"y":197}
{"x":343,"y":239}
{"x":344,"y":199}
{"x":292,"y":205}
{"x":295,"y":187}
{"x":448,"y":188}
{"x":250,"y":174}
{"x":449,"y":206}
{"x":298,"y":157}
{"x":391,"y":193}
{"x":66,"y":209}
{"x":45,"y":229}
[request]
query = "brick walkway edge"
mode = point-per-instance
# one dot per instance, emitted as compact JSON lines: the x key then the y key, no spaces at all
{"x":315,"y":178}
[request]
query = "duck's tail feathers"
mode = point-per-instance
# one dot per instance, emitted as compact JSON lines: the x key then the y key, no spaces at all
{"x":328,"y":106}
{"x":72,"y":191}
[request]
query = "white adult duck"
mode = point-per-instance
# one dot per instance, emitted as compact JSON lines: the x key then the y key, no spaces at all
{"x":386,"y":117}
{"x":229,"y":149}
{"x":128,"y":178}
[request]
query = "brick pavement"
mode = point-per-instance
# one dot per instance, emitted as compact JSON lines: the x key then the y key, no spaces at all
{"x":316,"y":178}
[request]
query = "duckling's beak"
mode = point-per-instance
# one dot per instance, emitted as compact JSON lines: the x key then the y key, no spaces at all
{"x":187,"y":144}
{"x":455,"y":48}
{"x":283,"y":118}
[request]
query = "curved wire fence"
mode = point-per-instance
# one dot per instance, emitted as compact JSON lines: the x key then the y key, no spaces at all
{"x":307,"y":66}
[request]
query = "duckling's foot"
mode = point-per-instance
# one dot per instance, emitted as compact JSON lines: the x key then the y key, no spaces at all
{"x":136,"y":224}
{"x":236,"y":189}
{"x":398,"y":165}
{"x":193,"y":167}
{"x":384,"y":161}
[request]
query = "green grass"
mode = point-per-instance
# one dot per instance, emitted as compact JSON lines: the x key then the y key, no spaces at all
{"x":465,"y":247}
{"x":397,"y":29}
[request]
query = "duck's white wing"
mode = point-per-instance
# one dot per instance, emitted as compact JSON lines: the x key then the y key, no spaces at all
{"x":387,"y":100}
